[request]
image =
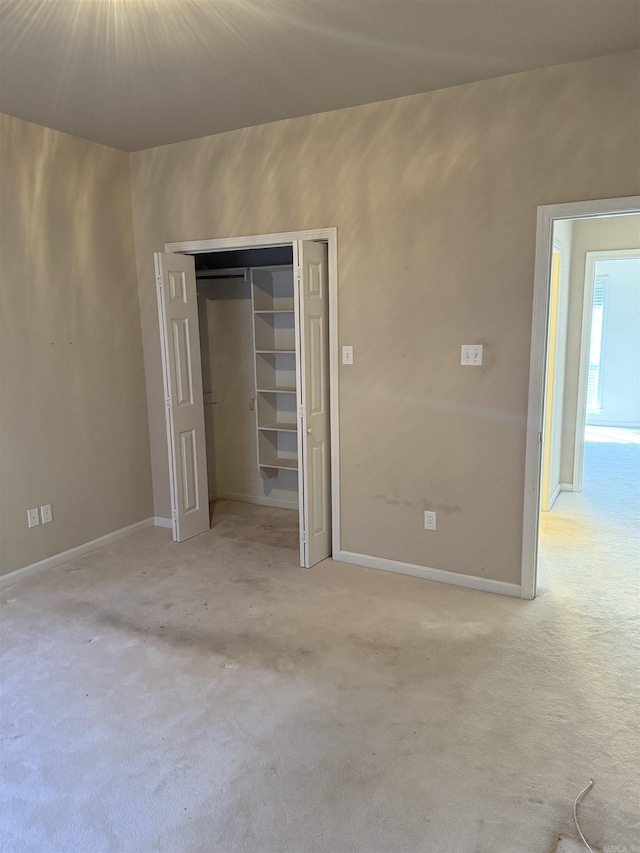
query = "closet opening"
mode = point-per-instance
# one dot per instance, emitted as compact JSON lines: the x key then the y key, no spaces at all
{"x":247,"y":425}
{"x":245,"y":342}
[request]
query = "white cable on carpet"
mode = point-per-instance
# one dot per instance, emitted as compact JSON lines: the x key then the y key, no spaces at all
{"x":575,"y":814}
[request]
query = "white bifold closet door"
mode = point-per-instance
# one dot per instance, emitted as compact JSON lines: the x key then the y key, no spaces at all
{"x":314,"y":456}
{"x":182,"y":373}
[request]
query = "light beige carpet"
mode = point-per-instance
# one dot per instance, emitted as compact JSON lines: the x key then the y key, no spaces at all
{"x":212,"y":696}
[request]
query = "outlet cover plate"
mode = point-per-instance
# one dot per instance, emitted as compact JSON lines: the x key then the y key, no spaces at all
{"x":429,"y":520}
{"x":33,"y":519}
{"x":46,"y":513}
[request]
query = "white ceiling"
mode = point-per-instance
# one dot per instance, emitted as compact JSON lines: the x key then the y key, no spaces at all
{"x":139,"y":73}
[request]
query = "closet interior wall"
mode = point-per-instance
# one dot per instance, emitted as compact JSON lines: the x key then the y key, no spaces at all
{"x":228,"y":376}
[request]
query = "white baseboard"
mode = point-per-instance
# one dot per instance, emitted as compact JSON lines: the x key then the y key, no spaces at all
{"x":162,"y":522}
{"x":254,"y":499}
{"x":439,"y":575}
{"x":72,"y":553}
{"x":561,"y":487}
{"x":554,"y":497}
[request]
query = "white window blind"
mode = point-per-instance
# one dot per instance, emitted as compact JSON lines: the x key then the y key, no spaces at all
{"x":596,"y":344}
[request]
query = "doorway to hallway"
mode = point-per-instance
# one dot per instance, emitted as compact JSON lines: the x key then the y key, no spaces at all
{"x":582,"y":498}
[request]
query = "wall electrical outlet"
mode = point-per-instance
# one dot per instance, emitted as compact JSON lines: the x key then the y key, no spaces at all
{"x":471,"y":354}
{"x":33,"y":519}
{"x":46,"y":514}
{"x":429,"y":520}
{"x":347,"y":355}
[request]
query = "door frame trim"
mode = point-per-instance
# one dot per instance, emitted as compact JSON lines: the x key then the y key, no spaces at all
{"x":547,"y":215}
{"x":585,"y":338}
{"x":551,"y":380}
{"x":261,"y":241}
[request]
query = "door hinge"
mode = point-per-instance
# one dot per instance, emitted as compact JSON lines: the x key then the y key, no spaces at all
{"x":305,"y":538}
{"x":168,"y":402}
{"x":299,"y":273}
{"x":301,"y":411}
{"x":159,"y":281}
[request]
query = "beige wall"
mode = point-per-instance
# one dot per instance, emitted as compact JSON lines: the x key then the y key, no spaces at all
{"x":434,"y":197}
{"x":73,"y":415}
{"x":589,"y":235}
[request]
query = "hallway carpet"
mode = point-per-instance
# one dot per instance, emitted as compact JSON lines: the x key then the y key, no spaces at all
{"x":212,"y":696}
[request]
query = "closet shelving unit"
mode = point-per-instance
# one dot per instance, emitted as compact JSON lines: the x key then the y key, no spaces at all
{"x":274,"y":336}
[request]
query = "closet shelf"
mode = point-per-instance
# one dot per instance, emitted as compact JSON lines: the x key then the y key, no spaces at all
{"x":281,"y":462}
{"x":274,"y":344}
{"x":281,"y":389}
{"x":279,"y":427}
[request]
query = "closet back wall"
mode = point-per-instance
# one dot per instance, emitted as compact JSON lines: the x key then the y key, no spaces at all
{"x":434,"y":197}
{"x":226,"y":339}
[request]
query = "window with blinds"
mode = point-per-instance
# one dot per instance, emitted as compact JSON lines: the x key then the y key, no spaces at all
{"x":596,"y":344}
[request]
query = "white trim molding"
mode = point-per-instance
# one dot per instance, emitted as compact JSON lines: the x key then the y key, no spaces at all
{"x":554,"y":496}
{"x":158,"y":521}
{"x":438,"y":575}
{"x":258,"y":241}
{"x":561,"y":487}
{"x":547,"y":215}
{"x":65,"y":556}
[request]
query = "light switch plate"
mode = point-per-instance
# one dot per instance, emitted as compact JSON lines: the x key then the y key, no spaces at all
{"x":33,"y":519}
{"x":471,"y":354}
{"x":347,"y":355}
